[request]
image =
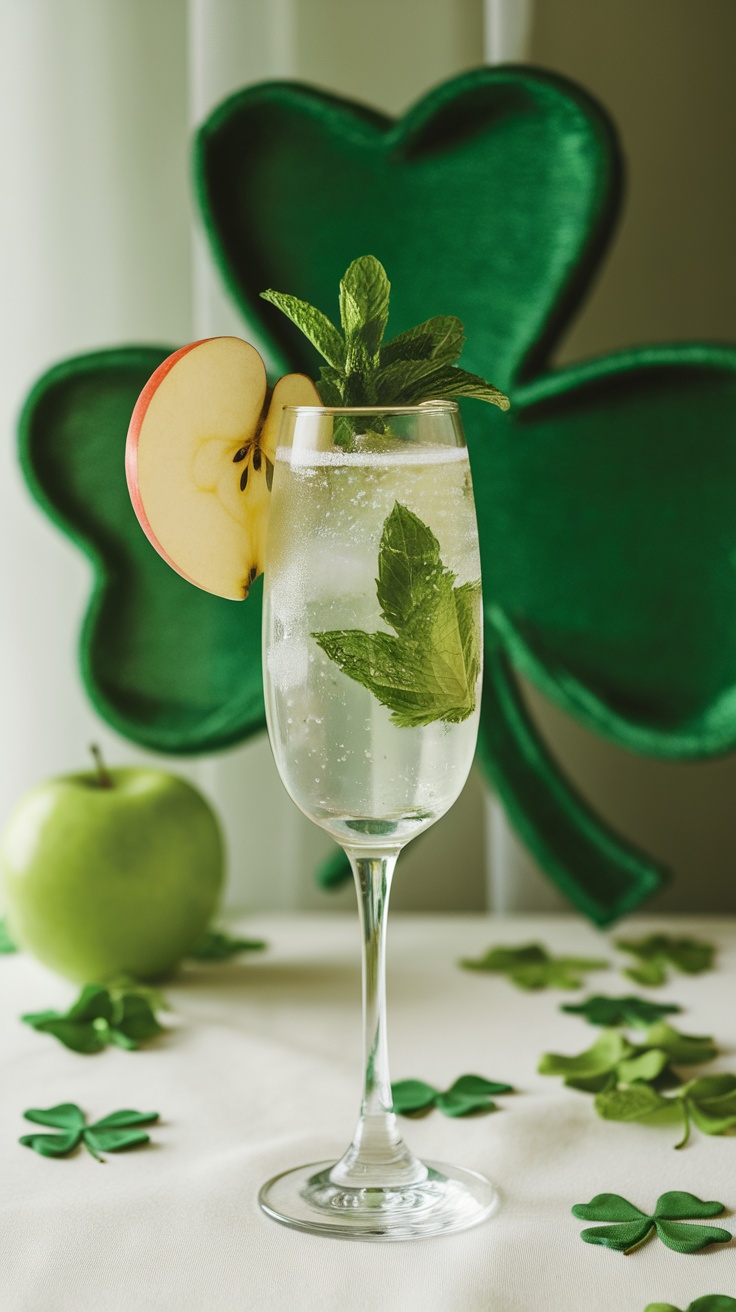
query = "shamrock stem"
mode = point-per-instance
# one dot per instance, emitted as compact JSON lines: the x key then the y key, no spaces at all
{"x":92,"y":1152}
{"x":686,"y":1119}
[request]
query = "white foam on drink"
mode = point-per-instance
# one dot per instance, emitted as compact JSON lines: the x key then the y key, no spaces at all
{"x":425,"y":455}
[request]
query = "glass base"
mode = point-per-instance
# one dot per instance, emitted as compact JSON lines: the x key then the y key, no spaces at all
{"x":450,"y":1199}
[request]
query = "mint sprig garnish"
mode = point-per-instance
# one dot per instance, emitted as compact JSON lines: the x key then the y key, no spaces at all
{"x":417,"y":365}
{"x":632,"y":1226}
{"x":429,"y":670}
{"x":111,"y":1134}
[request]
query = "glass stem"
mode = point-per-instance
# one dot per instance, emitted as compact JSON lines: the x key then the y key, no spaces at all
{"x":378,"y":1156}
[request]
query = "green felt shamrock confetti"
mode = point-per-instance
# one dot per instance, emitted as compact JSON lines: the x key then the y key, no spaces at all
{"x":100,"y":1016}
{"x":629,"y":1011}
{"x":112,"y":1134}
{"x":218,"y":946}
{"x":469,"y":1093}
{"x":631,"y":1226}
{"x":708,"y":1102}
{"x":532,"y":967}
{"x":708,"y":1303}
{"x":6,"y":943}
{"x":613,"y":1060}
{"x":656,"y":952}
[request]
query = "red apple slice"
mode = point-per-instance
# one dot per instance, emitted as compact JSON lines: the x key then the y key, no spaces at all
{"x":199,"y":460}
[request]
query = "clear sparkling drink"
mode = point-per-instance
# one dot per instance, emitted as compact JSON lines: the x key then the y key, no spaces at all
{"x":344,"y":762}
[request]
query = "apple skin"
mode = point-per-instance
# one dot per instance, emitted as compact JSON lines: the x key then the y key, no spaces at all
{"x":99,"y":882}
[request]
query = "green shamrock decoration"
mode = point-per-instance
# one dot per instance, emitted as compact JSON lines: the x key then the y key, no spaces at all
{"x":493,"y":201}
{"x":532,"y":967}
{"x":708,"y":1303}
{"x":469,"y":1093}
{"x":627,"y":1011}
{"x":612,"y":1060}
{"x":101,"y":1016}
{"x":708,"y":1102}
{"x":656,"y":952}
{"x":7,"y":945}
{"x":112,"y":1134}
{"x":218,"y":946}
{"x":631,"y":1226}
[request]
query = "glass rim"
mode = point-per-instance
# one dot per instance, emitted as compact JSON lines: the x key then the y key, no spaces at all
{"x":424,"y":408}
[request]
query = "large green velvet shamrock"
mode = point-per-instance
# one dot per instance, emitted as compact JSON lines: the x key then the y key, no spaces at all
{"x":605,"y":497}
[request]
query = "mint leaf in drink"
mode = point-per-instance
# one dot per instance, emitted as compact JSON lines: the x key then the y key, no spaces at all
{"x":428,"y":671}
{"x":418,"y":365}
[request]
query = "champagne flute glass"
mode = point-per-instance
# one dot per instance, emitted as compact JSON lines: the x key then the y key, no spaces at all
{"x":372,"y":662}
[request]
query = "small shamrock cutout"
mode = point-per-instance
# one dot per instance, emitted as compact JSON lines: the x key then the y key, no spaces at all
{"x":708,"y":1303}
{"x":658,"y":951}
{"x":532,"y":967}
{"x":631,"y":1226}
{"x":100,"y":1016}
{"x":708,"y":1102}
{"x":217,"y":946}
{"x":469,"y":1093}
{"x":613,"y":1060}
{"x":629,"y":1011}
{"x":112,"y":1134}
{"x":6,"y":943}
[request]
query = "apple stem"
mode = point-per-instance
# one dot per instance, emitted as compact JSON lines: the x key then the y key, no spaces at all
{"x":104,"y":779}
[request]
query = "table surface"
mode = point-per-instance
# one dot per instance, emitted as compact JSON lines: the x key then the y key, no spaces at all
{"x":260,"y":1071}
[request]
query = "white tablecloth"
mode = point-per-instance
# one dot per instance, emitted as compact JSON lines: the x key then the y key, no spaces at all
{"x":261,"y":1071}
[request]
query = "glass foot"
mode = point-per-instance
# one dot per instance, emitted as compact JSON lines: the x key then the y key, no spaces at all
{"x":450,"y":1199}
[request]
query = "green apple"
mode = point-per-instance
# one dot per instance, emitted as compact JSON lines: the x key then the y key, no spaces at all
{"x":111,"y":872}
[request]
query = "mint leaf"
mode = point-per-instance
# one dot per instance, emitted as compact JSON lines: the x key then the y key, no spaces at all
{"x":427,"y":672}
{"x":314,"y":324}
{"x":364,"y":297}
{"x":409,"y":572}
{"x":439,"y":339}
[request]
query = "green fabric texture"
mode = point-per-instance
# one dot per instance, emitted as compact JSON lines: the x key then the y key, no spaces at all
{"x":173,"y":668}
{"x":604,"y":496}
